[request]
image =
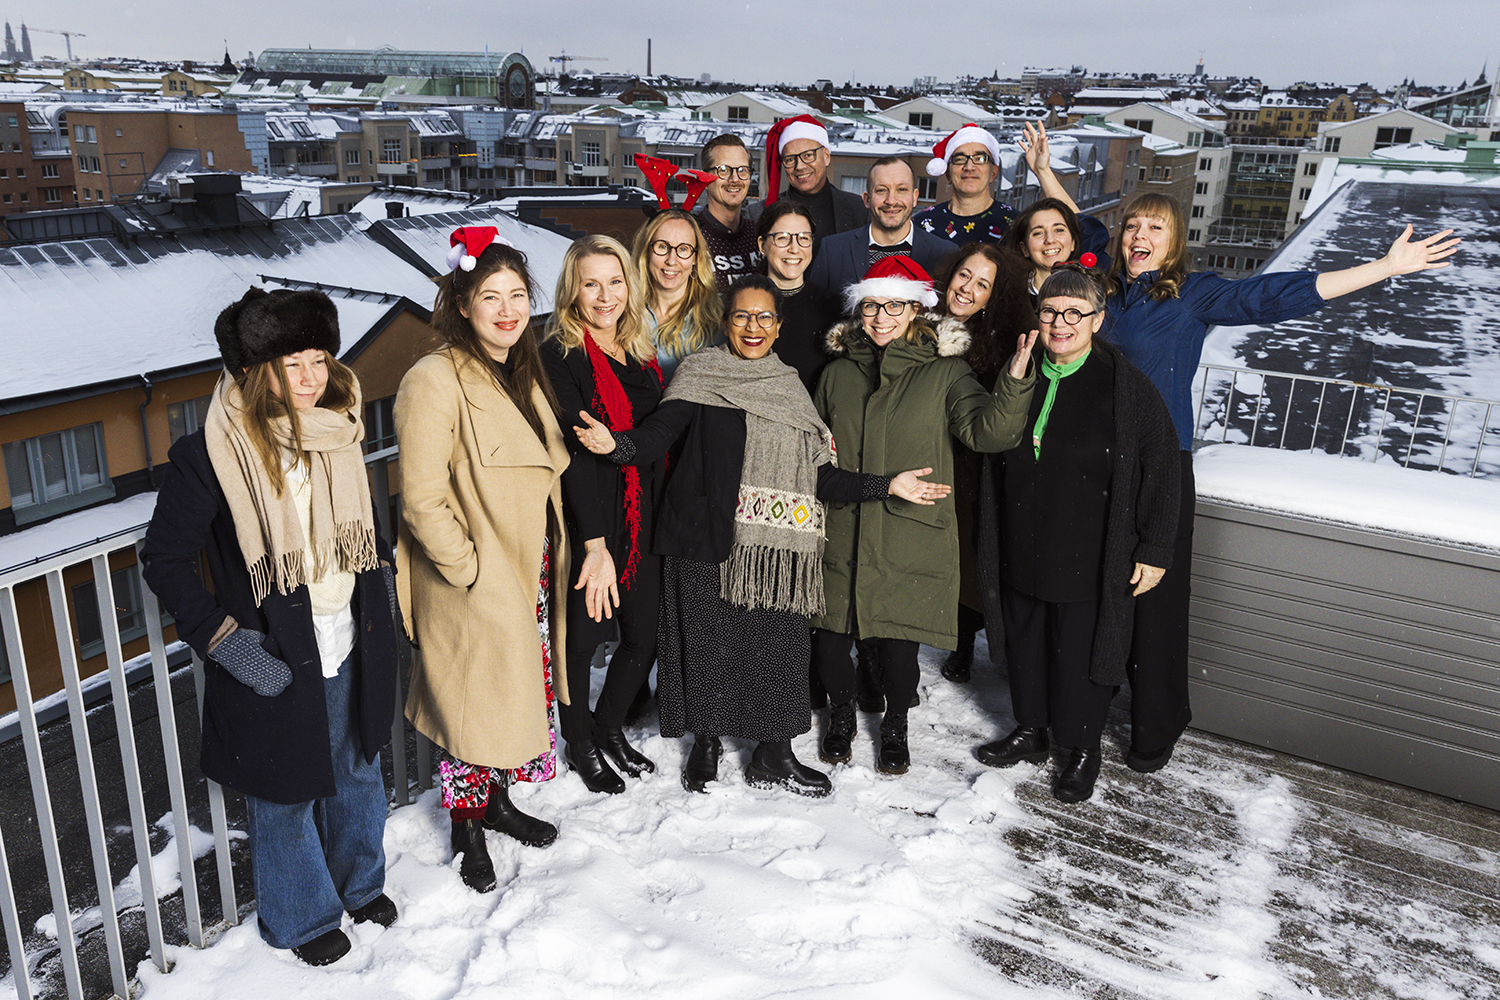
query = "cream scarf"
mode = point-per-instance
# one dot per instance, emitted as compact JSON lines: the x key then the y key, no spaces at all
{"x":268,"y":526}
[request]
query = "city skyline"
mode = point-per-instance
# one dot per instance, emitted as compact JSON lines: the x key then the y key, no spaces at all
{"x":1279,"y":42}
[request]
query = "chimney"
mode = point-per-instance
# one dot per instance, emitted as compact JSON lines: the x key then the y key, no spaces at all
{"x":648,"y":57}
{"x":216,"y":196}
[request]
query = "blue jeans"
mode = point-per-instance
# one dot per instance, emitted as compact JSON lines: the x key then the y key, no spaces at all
{"x":313,"y":860}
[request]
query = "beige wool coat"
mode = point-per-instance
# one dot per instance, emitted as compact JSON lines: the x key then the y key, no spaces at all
{"x":475,"y":488}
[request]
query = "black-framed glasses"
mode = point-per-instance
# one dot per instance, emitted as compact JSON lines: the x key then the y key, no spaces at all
{"x":1072,"y":317}
{"x":789,"y":160}
{"x":895,"y":307}
{"x":724,"y":171}
{"x":784,"y":240}
{"x":961,"y":160}
{"x":740,"y":319}
{"x":685,"y":251}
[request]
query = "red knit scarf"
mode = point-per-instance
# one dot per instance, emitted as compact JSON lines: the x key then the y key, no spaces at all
{"x":609,"y":396}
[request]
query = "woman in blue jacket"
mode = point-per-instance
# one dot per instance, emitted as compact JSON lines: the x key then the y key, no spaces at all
{"x":1159,"y":315}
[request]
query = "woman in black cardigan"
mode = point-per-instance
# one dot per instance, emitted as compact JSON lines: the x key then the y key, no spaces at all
{"x":1085,"y":524}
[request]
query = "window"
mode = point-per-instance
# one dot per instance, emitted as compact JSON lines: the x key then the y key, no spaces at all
{"x":52,"y":196}
{"x":78,"y":133}
{"x":1392,"y":137}
{"x":49,"y":170}
{"x":1193,"y":235}
{"x":592,"y":155}
{"x":1310,"y":169}
{"x":119,"y":133}
{"x":927,"y":188}
{"x":26,"y":197}
{"x":351,"y":157}
{"x":208,"y":158}
{"x":6,"y":198}
{"x":1331,"y":143}
{"x":10,"y":120}
{"x":187,"y":417}
{"x":93,"y":133}
{"x":1197,"y":211}
{"x":1304,"y":194}
{"x":57,"y":472}
{"x":391,"y":151}
{"x":739,"y":113}
{"x":130,"y":615}
{"x":854,"y":185}
{"x":4,"y":173}
{"x":20,"y":171}
{"x":87,"y":195}
{"x":380,"y":424}
{"x":1141,"y":124}
{"x":98,"y":195}
{"x":919,"y":120}
{"x":1207,"y":163}
{"x":435,"y":176}
{"x":1200,"y":188}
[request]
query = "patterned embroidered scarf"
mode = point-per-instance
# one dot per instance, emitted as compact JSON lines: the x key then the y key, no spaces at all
{"x":610,"y":398}
{"x":777,"y":559}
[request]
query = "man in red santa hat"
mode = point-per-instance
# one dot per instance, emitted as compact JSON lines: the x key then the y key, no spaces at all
{"x":799,"y":148}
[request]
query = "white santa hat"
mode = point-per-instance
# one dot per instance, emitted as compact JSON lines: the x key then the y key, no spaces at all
{"x":943,"y":151}
{"x":466,"y":243}
{"x":801,"y":128}
{"x":897,"y":277}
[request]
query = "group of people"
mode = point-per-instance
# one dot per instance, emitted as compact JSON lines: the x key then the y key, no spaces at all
{"x":760,"y":438}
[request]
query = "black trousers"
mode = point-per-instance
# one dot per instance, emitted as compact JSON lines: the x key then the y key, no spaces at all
{"x":898,"y":667}
{"x":1047,"y":646}
{"x":628,"y":668}
{"x":1158,"y":664}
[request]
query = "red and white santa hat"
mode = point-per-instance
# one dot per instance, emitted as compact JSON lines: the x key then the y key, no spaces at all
{"x":467,"y":242}
{"x":897,"y":277}
{"x":781,"y":133}
{"x":943,"y":151}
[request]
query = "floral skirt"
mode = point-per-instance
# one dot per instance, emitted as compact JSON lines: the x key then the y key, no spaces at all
{"x":467,"y":786}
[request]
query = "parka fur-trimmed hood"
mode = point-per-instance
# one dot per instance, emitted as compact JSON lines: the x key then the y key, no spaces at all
{"x":951,"y":335}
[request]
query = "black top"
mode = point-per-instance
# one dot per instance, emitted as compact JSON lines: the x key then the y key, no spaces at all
{"x":820,"y":207}
{"x":1053,"y":517}
{"x":806,"y":316}
{"x":734,"y":253}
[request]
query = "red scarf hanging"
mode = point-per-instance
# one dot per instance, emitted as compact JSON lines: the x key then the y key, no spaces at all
{"x":610,"y":397}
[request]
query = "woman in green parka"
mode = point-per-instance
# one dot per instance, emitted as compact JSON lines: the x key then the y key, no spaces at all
{"x":896,"y":394}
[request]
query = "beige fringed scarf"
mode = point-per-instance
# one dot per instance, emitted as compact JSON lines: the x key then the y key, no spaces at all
{"x":777,"y":559}
{"x":267,"y":525}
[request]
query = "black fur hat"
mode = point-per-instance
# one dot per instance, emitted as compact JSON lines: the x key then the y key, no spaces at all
{"x":263,"y":326}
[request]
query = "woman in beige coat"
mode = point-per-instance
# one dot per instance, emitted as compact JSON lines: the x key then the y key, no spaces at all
{"x":482,"y":562}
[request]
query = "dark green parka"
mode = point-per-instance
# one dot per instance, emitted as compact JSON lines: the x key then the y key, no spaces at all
{"x":890,"y":569}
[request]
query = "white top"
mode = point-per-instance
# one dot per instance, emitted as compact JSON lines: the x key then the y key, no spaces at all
{"x":330,"y":590}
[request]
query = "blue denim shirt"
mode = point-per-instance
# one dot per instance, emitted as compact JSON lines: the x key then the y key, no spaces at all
{"x":1165,"y":339}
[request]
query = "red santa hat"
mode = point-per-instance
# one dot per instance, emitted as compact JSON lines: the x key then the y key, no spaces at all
{"x":467,"y":242}
{"x":781,"y":133}
{"x":897,"y":277}
{"x":943,"y":151}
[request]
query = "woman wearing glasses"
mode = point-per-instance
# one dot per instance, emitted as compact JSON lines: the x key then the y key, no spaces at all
{"x":1075,"y":523}
{"x":742,"y":531}
{"x":896,"y":395}
{"x":682,"y":302}
{"x":600,"y":359}
{"x":970,"y":158}
{"x":785,"y":235}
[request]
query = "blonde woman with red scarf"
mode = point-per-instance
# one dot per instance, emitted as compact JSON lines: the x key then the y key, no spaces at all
{"x":600,"y":358}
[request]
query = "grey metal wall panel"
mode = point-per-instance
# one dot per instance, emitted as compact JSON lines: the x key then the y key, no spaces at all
{"x":1367,"y":651}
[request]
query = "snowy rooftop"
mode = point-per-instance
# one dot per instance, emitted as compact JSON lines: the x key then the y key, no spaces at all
{"x":1184,"y":116}
{"x":1115,"y":94}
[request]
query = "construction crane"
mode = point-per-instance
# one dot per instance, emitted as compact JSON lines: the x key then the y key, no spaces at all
{"x":68,"y":37}
{"x":565,"y":59}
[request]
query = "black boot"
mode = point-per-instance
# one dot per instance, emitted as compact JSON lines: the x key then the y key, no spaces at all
{"x":774,"y":765}
{"x":1076,"y":780}
{"x":837,"y":745}
{"x":894,"y":757}
{"x":868,"y":694}
{"x":624,"y":756}
{"x":703,"y":763}
{"x":1023,"y":743}
{"x":325,"y":949}
{"x":502,"y":816}
{"x":474,"y":865}
{"x":586,"y":759}
{"x":959,"y":662}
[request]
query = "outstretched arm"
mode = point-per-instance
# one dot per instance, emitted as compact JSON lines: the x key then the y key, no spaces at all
{"x":1033,"y":143}
{"x":1404,"y":257}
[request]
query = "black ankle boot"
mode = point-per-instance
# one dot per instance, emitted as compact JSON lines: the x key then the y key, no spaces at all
{"x":773,"y":765}
{"x":325,"y":949}
{"x":502,"y":816}
{"x":868,"y":694}
{"x":837,"y":745}
{"x":894,"y":757}
{"x":624,"y":756}
{"x":1023,"y":743}
{"x":586,"y":759}
{"x":957,"y":666}
{"x":474,"y":865}
{"x":703,"y":763}
{"x":1075,"y":782}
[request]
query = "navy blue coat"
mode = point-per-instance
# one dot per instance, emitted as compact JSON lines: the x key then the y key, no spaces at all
{"x":272,"y":748}
{"x":1165,"y":339}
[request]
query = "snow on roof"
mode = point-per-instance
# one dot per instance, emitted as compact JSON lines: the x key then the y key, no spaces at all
{"x":1418,"y":163}
{"x":114,"y":309}
{"x":1195,"y":106}
{"x":1119,"y":93}
{"x":1182,"y":116}
{"x":418,"y":201}
{"x":780,"y":103}
{"x":1379,"y":495}
{"x":964,"y":109}
{"x":72,"y":530}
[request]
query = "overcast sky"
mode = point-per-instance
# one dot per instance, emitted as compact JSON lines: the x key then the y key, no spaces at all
{"x":1280,"y":41}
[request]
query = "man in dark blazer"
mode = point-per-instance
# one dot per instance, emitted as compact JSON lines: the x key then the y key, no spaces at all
{"x":890,"y":198}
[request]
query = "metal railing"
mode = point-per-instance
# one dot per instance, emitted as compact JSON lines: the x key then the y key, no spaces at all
{"x":1417,"y":428}
{"x":201,"y":928}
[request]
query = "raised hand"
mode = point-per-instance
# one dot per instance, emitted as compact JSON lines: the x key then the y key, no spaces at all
{"x":595,"y":436}
{"x":1406,"y":256}
{"x":1021,"y":360}
{"x":1033,"y":143}
{"x":909,"y":486}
